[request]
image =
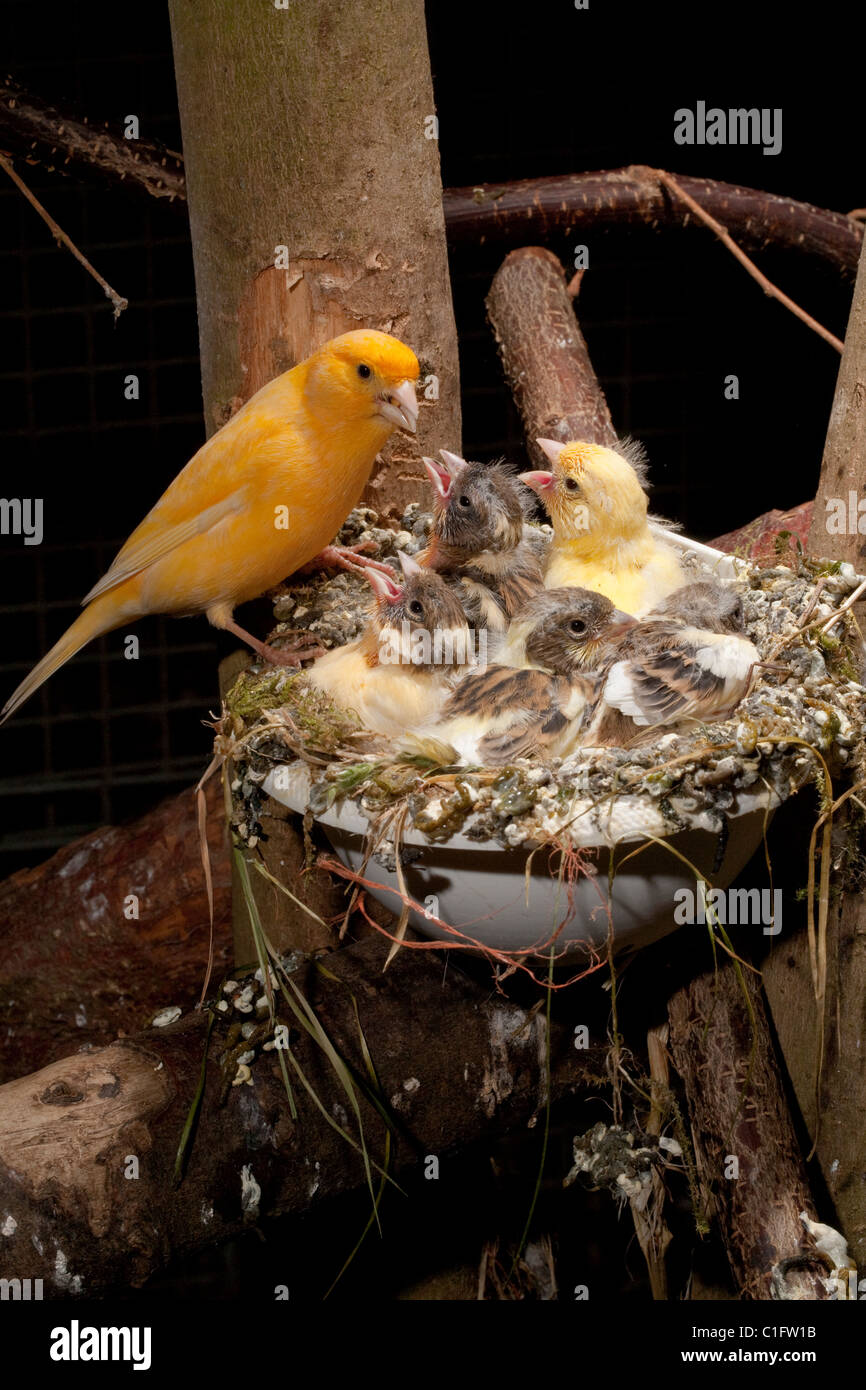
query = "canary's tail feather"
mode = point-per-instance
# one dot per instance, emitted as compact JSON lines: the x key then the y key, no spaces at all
{"x":100,"y":616}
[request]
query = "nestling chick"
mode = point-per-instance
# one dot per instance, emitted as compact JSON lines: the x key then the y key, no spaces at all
{"x":559,"y":638}
{"x":601,"y":537}
{"x":669,"y":669}
{"x":707,"y":604}
{"x":477,"y":540}
{"x":395,"y":676}
{"x":261,"y":498}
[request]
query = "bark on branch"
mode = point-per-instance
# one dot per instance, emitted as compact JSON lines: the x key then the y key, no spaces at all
{"x":36,"y":131}
{"x":543,"y":353}
{"x":120,"y":931}
{"x":75,"y":1214}
{"x":512,"y":212}
{"x":744,"y":1141}
{"x":569,"y":204}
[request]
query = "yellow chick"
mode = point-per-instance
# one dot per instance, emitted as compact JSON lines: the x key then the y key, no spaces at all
{"x":557,"y":640}
{"x":261,"y":498}
{"x":601,"y":536}
{"x":395,"y":676}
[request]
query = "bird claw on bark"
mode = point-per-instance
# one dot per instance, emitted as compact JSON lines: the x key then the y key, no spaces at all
{"x":290,"y":655}
{"x":349,"y":557}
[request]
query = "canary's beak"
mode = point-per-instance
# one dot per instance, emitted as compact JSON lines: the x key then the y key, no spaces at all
{"x":620,"y":623}
{"x":552,"y":448}
{"x":386,"y":590}
{"x":400,"y":406}
{"x":540,"y":481}
{"x":440,"y":478}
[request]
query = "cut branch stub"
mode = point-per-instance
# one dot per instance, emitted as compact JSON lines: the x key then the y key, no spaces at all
{"x":543,"y":353}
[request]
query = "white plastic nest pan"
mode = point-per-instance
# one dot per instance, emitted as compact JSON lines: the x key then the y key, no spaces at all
{"x":484,"y":892}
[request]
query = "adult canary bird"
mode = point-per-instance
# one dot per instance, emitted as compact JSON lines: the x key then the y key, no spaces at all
{"x":265,"y":495}
{"x":396,"y":674}
{"x":478,"y":540}
{"x":601,"y":535}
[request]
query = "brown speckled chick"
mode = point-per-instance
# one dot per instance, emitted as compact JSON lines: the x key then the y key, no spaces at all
{"x":478,"y":541}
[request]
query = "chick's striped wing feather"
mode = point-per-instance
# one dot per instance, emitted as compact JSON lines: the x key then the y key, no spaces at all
{"x":656,"y":688}
{"x":517,"y":586}
{"x":539,"y":719}
{"x":489,"y":694}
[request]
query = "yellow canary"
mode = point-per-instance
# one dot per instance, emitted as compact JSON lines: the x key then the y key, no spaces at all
{"x":396,"y":674}
{"x":262,"y":497}
{"x":535,"y":705}
{"x":601,"y":536}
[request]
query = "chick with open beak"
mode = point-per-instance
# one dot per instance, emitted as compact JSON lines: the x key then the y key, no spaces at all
{"x":396,"y":675}
{"x":479,"y":539}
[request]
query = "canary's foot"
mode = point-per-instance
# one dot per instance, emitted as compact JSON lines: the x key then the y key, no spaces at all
{"x":349,"y":557}
{"x":305,"y":649}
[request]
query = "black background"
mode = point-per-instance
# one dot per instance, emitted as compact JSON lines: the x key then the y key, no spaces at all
{"x":521,"y":91}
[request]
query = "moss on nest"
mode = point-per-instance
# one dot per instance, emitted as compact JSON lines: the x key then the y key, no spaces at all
{"x":323,"y":726}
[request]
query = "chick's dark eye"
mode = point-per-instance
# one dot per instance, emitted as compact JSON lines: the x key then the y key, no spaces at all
{"x":416,"y":608}
{"x":364,"y":371}
{"x":572,"y":485}
{"x":577,"y":626}
{"x":463,"y":501}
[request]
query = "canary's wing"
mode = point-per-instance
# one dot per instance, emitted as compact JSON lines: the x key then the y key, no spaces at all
{"x":152,"y":540}
{"x":212,"y":486}
{"x":699,"y":675}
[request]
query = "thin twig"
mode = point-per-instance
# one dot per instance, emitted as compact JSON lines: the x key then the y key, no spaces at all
{"x":60,"y":236}
{"x":843,"y":608}
{"x":810,"y":608}
{"x":767,"y":286}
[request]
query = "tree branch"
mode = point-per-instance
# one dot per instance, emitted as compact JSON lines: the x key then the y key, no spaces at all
{"x":535,"y":209}
{"x":60,"y":236}
{"x":38,"y":132}
{"x":454,"y":1066}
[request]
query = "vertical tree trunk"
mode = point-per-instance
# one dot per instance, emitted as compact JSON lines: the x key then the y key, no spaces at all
{"x":315,"y":207}
{"x":835,"y":1109}
{"x":306,"y":127}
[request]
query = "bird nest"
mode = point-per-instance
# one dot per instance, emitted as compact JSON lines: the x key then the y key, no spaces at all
{"x":801,"y":722}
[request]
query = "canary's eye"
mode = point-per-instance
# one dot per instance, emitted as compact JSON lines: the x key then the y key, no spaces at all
{"x":463,"y":500}
{"x":572,"y":485}
{"x":578,"y":626}
{"x":416,"y":608}
{"x":364,"y":371}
